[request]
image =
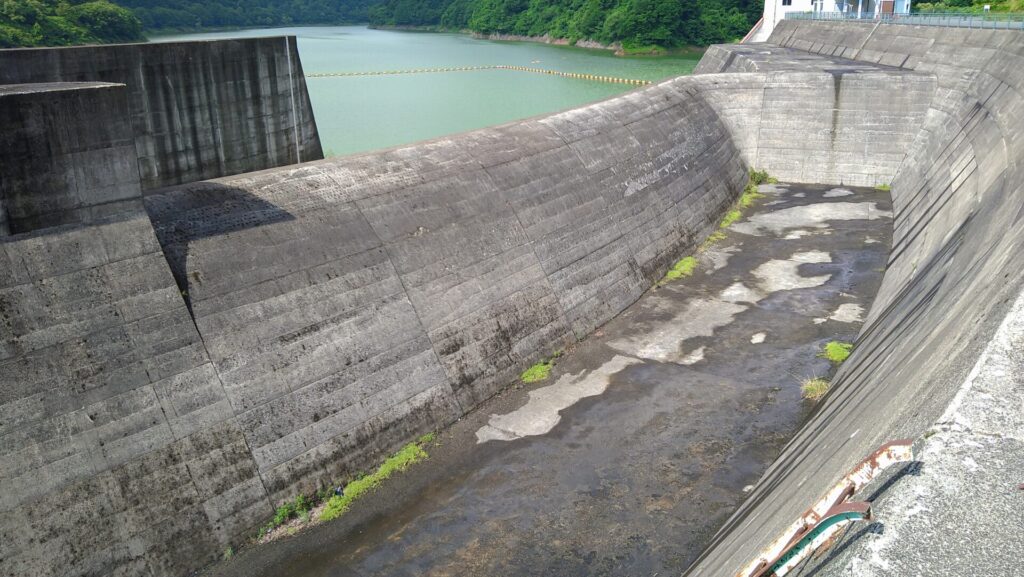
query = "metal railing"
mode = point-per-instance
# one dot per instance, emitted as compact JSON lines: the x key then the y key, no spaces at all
{"x":1000,"y":20}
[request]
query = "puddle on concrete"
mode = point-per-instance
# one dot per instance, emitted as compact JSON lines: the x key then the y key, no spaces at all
{"x":639,"y":446}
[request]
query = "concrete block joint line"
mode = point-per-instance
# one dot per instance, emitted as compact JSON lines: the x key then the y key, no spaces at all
{"x":231,"y":338}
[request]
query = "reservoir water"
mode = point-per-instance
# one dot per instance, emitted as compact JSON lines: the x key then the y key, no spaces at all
{"x":361,"y":113}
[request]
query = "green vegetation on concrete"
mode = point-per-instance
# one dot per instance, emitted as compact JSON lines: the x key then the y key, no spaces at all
{"x":884,"y":187}
{"x":836,"y":351}
{"x":761,"y":177}
{"x":538,"y":372}
{"x":730,"y":217}
{"x":397,"y":463}
{"x":750,"y":194}
{"x":65,"y":23}
{"x":640,"y":26}
{"x":683,"y":268}
{"x":687,"y":265}
{"x":710,"y":241}
{"x":814,"y":388}
{"x":300,"y":506}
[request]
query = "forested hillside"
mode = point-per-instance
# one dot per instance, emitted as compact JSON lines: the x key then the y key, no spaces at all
{"x":65,"y":22}
{"x":635,"y":23}
{"x":193,"y":14}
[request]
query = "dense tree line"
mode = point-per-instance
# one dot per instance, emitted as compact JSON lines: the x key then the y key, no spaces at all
{"x":65,"y":22}
{"x":195,"y":14}
{"x":634,"y":23}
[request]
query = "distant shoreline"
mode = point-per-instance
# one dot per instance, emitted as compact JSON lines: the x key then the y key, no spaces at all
{"x":616,"y":47}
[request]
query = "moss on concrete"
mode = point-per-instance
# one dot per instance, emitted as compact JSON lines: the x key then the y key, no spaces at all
{"x":683,"y":268}
{"x":537,"y":372}
{"x":836,"y":351}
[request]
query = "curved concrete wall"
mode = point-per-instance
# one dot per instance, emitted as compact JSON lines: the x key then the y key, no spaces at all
{"x":385,"y":295}
{"x":955,"y":266}
{"x":198,"y":109}
{"x":163,"y":385}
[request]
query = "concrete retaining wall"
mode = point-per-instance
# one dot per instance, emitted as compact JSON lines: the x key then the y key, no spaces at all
{"x":199,"y":110}
{"x":69,"y":155}
{"x":955,"y":266}
{"x":119,"y":454}
{"x":813,"y":120}
{"x":338,"y":309}
{"x":395,"y":291}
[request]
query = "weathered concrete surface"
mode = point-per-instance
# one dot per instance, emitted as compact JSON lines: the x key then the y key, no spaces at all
{"x":198,"y":110}
{"x":343,"y":307}
{"x":119,"y":454}
{"x":68,"y":155}
{"x":293,"y":325}
{"x":816,"y":119}
{"x":382,"y":296}
{"x":619,"y":464}
{"x":955,"y":266}
{"x":957,"y":508}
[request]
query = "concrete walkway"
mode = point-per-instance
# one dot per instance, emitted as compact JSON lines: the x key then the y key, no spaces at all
{"x":643,"y":440}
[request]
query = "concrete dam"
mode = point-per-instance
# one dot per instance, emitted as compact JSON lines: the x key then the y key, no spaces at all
{"x":199,"y":323}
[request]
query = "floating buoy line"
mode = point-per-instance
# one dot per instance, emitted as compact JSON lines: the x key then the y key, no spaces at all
{"x":578,"y":75}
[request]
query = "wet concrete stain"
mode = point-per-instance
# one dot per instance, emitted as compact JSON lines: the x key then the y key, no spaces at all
{"x":625,"y":463}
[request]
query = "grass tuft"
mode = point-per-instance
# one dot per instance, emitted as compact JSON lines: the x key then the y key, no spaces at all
{"x":730,"y":217}
{"x":537,"y":372}
{"x":750,"y":194}
{"x":759,"y":177}
{"x":883,"y":187}
{"x":711,"y":240}
{"x":814,"y":388}
{"x":299,"y":507}
{"x":683,"y":268}
{"x":400,"y":461}
{"x":836,"y":351}
{"x":229,"y":553}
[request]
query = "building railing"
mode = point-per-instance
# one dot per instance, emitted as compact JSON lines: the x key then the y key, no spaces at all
{"x":1001,"y":20}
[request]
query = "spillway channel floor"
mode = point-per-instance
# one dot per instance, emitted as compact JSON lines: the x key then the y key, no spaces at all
{"x":628,"y":458}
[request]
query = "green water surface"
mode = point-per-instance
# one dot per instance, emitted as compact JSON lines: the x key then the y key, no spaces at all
{"x":356,"y":114}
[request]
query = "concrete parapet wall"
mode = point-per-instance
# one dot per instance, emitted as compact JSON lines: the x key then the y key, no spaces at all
{"x":198,"y":110}
{"x":69,"y":155}
{"x":956,"y":264}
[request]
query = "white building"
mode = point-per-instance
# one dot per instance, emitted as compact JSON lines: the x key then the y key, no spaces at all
{"x":775,"y":10}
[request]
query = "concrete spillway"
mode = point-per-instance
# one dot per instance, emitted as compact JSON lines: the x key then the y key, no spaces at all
{"x":169,"y":373}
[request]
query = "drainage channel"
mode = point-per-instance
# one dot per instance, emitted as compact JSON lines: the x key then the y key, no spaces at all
{"x":646,"y":435}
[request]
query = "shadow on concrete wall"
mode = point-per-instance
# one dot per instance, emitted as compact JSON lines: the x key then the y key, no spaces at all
{"x":181,"y":216}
